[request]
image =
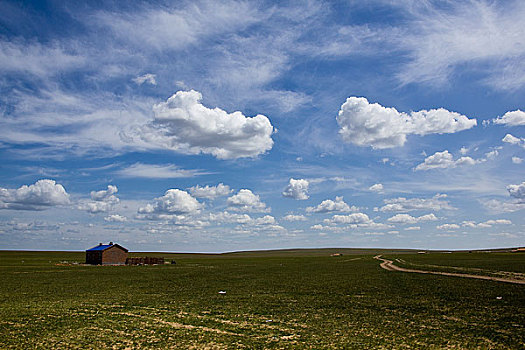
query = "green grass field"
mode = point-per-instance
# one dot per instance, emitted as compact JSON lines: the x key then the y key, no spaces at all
{"x":280,"y":299}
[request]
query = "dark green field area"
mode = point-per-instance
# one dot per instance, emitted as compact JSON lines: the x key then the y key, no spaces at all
{"x":280,"y":299}
{"x":496,"y":264}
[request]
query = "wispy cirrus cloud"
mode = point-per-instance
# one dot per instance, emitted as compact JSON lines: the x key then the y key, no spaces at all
{"x":442,"y":39}
{"x":157,"y":171}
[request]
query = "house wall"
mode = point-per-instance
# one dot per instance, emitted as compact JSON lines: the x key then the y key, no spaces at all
{"x":114,"y":256}
{"x":94,"y":258}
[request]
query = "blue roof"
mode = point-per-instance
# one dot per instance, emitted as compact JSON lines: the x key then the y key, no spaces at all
{"x":100,"y":247}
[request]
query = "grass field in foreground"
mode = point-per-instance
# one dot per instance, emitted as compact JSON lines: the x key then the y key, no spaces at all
{"x":287,"y":299}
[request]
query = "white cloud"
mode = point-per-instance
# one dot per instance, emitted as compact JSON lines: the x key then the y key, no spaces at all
{"x":370,"y":124}
{"x":517,"y":160}
{"x":486,"y":224}
{"x":101,"y":201}
{"x":246,"y":224}
{"x":146,"y":78}
{"x":354,"y":220}
{"x":178,"y":27}
{"x":491,"y":155}
{"x":444,"y":160}
{"x":376,"y":188}
{"x":265,"y":220}
{"x":328,"y":206}
{"x":407,"y":219}
{"x":402,"y":204}
{"x":335,"y":229}
{"x":226,"y":217}
{"x":514,"y":140}
{"x":438,"y":39}
{"x":296,"y":189}
{"x":37,"y":59}
{"x":413,"y":228}
{"x":246,"y":200}
{"x":183,"y":124}
{"x":497,"y":206}
{"x":402,"y":219}
{"x":513,"y":118}
{"x":292,"y":217}
{"x":157,"y":171}
{"x":38,"y":196}
{"x":105,"y":194}
{"x":174,"y":202}
{"x":503,"y":234}
{"x":518,"y":192}
{"x":116,"y":218}
{"x":210,"y":192}
{"x":448,"y":227}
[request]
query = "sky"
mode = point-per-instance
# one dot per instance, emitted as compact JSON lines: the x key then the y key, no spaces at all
{"x":212,"y":126}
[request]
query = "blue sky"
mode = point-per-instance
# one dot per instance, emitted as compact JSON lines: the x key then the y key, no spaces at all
{"x":216,"y":126}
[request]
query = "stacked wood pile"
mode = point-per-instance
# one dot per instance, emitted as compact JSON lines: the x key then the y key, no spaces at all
{"x":144,"y":260}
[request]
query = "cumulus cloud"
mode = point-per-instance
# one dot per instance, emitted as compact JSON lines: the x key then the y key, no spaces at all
{"x":513,"y":118}
{"x":227,"y":217}
{"x":183,"y":124}
{"x":444,"y":160}
{"x":448,"y":227}
{"x":517,"y":160}
{"x":146,"y":78}
{"x":518,"y":192}
{"x":246,"y":224}
{"x":376,"y":188}
{"x":491,"y":155}
{"x":38,"y":196}
{"x":354,"y":220}
{"x":328,"y":206}
{"x":115,"y":218}
{"x":486,"y":224}
{"x":157,"y":171}
{"x":513,"y":140}
{"x":297,"y":189}
{"x":246,"y":200}
{"x":370,"y":124}
{"x":210,"y":192}
{"x":402,"y":204}
{"x":101,"y":201}
{"x":292,"y":217}
{"x":265,"y":220}
{"x":174,"y":202}
{"x":407,"y":219}
{"x":103,"y":195}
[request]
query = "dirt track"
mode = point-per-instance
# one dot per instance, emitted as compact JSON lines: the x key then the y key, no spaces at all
{"x":389,"y":266}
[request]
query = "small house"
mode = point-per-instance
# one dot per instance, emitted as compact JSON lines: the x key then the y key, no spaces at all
{"x":107,"y":254}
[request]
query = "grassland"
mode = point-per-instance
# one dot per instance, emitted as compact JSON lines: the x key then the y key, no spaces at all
{"x":279,"y":299}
